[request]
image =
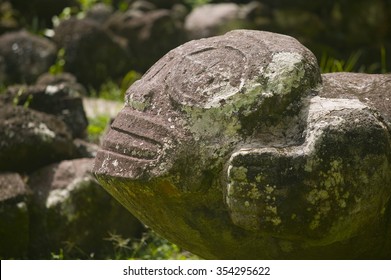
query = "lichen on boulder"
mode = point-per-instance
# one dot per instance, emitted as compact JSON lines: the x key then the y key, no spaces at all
{"x":225,"y":148}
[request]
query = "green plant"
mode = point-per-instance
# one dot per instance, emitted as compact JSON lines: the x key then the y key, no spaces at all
{"x":330,"y":64}
{"x":58,"y":66}
{"x":129,"y":79}
{"x":109,"y":91}
{"x":96,"y":127}
{"x":121,"y":246}
{"x":152,"y":247}
{"x":59,"y":256}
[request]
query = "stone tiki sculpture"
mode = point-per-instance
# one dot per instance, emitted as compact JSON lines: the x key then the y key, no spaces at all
{"x":231,"y":148}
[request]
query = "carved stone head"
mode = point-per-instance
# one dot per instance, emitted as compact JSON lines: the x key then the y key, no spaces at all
{"x":224,"y":148}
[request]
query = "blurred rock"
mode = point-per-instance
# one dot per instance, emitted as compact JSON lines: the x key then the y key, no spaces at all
{"x":216,"y":19}
{"x":212,"y":19}
{"x":30,"y":139}
{"x":92,"y":54}
{"x":23,"y":57}
{"x":85,"y":149}
{"x":61,"y":100}
{"x":72,"y":212}
{"x":150,"y":34}
{"x":99,"y":12}
{"x":14,"y":217}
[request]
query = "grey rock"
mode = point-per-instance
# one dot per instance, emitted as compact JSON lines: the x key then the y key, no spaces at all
{"x":74,"y":213}
{"x":30,"y":139}
{"x":216,"y":19}
{"x":100,"y":13}
{"x":150,"y":34}
{"x":62,"y":100}
{"x":14,"y":216}
{"x":91,"y":65}
{"x":24,"y":57}
{"x":372,"y":90}
{"x":85,"y":149}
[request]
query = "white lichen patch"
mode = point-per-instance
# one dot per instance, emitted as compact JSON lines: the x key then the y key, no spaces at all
{"x":42,"y":131}
{"x":58,"y":196}
{"x":284,"y":73}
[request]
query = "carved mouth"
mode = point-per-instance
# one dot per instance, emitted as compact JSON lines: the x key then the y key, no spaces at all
{"x":132,"y":146}
{"x":135,"y":136}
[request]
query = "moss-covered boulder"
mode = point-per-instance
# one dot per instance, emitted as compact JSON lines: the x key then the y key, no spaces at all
{"x":70,"y":211}
{"x":225,"y":148}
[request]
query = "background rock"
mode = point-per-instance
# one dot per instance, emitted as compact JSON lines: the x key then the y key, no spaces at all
{"x":23,"y":57}
{"x":14,"y":216}
{"x":100,"y":13}
{"x":216,"y":19}
{"x":150,"y":34}
{"x":91,"y":65}
{"x":72,"y":212}
{"x":61,"y":100}
{"x":30,"y":139}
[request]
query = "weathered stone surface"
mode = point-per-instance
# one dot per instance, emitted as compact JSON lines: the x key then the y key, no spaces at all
{"x":373,"y":90}
{"x":30,"y":139}
{"x":62,"y":100}
{"x":227,"y":139}
{"x":73,"y":212}
{"x":14,"y":217}
{"x":150,"y":34}
{"x":91,"y":65}
{"x":23,"y":57}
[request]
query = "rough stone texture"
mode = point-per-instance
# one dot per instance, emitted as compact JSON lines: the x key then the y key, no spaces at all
{"x":91,"y":65}
{"x":30,"y":139}
{"x":14,"y":218}
{"x":62,"y":100}
{"x":72,"y":212}
{"x":227,"y":139}
{"x":216,"y":19}
{"x":373,"y":90}
{"x":150,"y":34}
{"x":23,"y":57}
